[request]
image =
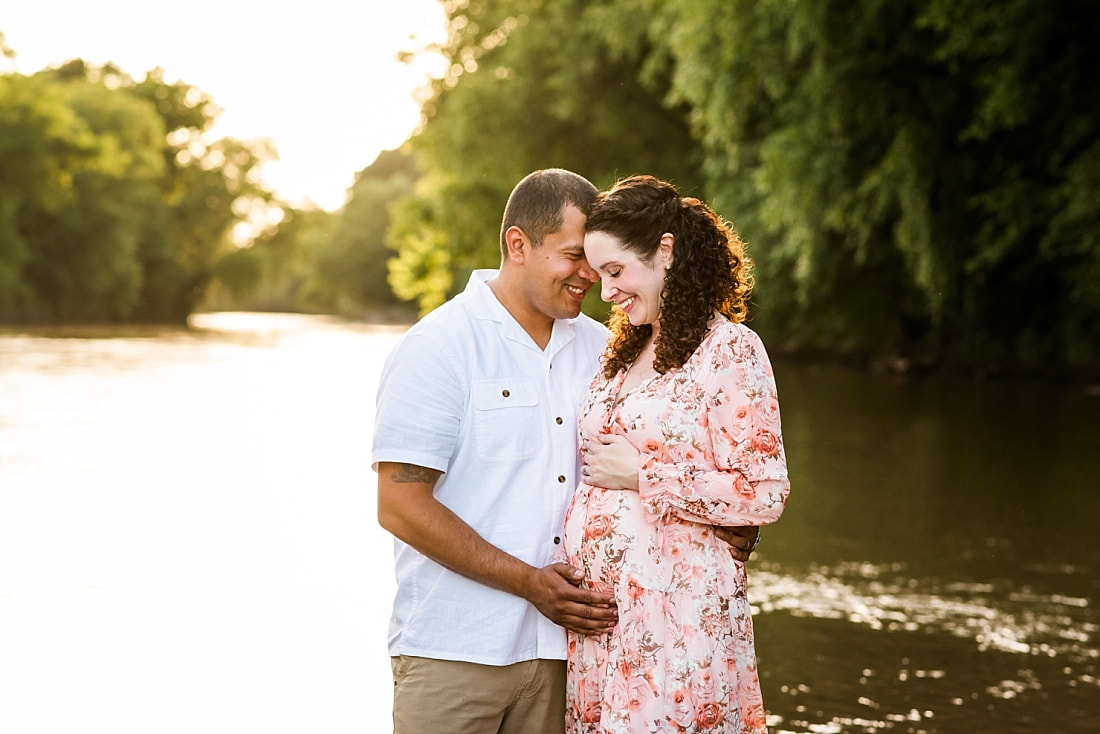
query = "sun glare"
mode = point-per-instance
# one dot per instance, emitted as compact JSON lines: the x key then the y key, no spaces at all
{"x":327,"y":85}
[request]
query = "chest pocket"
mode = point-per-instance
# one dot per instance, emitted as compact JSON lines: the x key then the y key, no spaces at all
{"x":506,"y":419}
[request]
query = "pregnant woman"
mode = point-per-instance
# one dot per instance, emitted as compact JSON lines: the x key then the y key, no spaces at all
{"x":679,"y":433}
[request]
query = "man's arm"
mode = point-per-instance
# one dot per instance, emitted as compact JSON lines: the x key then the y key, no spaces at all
{"x":408,"y":509}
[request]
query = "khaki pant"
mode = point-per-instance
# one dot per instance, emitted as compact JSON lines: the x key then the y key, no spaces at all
{"x":454,"y":697}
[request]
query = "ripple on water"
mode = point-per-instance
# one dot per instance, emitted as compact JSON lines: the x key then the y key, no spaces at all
{"x":882,"y":598}
{"x":1055,"y":633}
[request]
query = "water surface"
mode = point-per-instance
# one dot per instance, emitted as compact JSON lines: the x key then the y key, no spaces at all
{"x":936,"y":569}
{"x":188,"y":541}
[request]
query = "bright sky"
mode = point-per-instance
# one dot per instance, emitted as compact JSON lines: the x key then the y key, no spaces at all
{"x":320,"y":77}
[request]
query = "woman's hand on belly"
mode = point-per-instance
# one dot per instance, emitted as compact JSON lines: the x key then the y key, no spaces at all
{"x":611,"y":462}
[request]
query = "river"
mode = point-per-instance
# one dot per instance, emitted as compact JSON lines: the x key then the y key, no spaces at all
{"x":188,"y":541}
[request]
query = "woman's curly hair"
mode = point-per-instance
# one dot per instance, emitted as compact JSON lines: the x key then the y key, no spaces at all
{"x":709,"y":273}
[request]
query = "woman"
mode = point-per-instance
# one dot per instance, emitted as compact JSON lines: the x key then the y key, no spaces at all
{"x":679,"y":433}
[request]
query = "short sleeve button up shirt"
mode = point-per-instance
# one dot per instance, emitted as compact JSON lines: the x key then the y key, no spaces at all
{"x":468,"y":392}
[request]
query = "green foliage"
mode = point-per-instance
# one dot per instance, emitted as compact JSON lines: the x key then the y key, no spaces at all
{"x":915,"y":178}
{"x":351,"y":263}
{"x":40,"y":146}
{"x":906,"y":172}
{"x":83,"y":158}
{"x":271,"y":272}
{"x":315,"y":261}
{"x":422,"y":271}
{"x":531,"y":86}
{"x":1032,"y":137}
{"x":112,"y":206}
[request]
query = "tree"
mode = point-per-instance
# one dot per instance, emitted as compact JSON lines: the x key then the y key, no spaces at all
{"x":116,"y":206}
{"x":530,"y":86}
{"x":350,"y":273}
{"x":209,"y":187}
{"x":79,"y":164}
{"x":314,"y":260}
{"x":911,"y":176}
{"x":41,"y":145}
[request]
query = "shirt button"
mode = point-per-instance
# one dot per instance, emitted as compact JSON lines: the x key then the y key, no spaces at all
{"x":557,"y":540}
{"x":506,"y":393}
{"x":558,"y":421}
{"x":561,"y":479}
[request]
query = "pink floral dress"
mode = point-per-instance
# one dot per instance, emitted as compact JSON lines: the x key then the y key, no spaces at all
{"x":682,"y":657}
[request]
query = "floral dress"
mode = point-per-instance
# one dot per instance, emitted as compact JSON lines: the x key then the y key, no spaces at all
{"x":682,"y":657}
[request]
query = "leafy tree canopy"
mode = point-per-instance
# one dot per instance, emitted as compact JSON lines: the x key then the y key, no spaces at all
{"x":916,"y":179}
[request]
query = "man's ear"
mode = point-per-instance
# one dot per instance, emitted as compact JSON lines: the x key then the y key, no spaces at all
{"x":517,"y":244}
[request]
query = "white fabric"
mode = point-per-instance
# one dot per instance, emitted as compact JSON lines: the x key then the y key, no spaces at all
{"x":467,"y":391}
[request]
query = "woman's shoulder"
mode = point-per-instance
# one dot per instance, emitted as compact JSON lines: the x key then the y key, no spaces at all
{"x":722,"y":331}
{"x":729,"y":343}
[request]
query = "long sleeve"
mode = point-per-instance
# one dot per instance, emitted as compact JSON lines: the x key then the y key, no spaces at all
{"x":721,"y":459}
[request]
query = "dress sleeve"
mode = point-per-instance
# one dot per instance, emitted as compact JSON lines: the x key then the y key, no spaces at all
{"x":733,"y":469}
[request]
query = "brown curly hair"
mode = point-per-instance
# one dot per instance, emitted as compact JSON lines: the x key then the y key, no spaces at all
{"x":709,"y":273}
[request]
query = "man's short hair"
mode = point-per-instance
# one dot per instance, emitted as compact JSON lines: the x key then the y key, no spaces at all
{"x":537,"y":203}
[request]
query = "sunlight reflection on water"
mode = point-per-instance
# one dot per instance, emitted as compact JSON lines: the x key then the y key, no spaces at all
{"x":1029,"y":623}
{"x":187,"y":530}
{"x":1021,"y":623}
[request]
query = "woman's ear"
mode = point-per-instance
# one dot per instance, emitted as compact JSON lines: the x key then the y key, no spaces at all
{"x":667,"y":240}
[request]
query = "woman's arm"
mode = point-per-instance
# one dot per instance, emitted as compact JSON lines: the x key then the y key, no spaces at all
{"x":747,"y":482}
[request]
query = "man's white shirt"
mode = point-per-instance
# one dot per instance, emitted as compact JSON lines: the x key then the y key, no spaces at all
{"x":467,"y":392}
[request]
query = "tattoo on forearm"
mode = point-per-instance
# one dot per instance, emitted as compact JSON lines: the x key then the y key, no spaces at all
{"x":409,"y":474}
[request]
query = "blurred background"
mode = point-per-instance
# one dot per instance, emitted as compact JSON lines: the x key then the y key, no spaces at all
{"x":215,"y":221}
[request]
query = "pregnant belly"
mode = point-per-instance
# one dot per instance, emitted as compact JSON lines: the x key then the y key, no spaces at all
{"x":601,"y":533}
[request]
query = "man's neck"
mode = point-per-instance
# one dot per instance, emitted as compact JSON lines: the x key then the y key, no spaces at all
{"x":537,"y":325}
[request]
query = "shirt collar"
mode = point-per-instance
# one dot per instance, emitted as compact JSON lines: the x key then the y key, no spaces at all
{"x":486,"y":306}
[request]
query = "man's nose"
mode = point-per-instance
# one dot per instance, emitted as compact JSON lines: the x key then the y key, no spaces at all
{"x":588,"y":273}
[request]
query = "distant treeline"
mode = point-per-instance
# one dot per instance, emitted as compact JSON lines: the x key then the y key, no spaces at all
{"x":116,"y":205}
{"x":112,"y":205}
{"x":917,"y":180}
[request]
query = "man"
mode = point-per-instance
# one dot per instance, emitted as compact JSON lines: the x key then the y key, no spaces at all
{"x":475,"y":449}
